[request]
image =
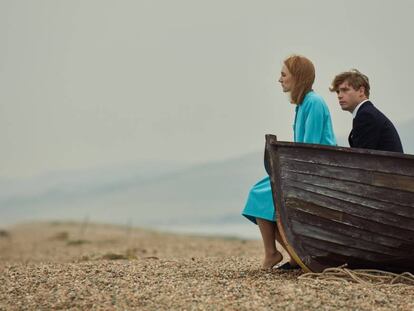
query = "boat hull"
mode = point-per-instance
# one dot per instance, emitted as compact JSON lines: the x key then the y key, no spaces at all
{"x":340,"y":206}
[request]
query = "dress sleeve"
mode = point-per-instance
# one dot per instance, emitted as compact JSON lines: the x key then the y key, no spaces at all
{"x":314,"y":124}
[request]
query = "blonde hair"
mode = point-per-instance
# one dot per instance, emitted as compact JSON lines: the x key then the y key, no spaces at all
{"x":303,"y":73}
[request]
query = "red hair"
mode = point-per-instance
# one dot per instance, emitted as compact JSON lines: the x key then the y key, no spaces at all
{"x":303,"y":73}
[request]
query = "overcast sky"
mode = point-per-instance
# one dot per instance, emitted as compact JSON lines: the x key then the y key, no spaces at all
{"x":94,"y":83}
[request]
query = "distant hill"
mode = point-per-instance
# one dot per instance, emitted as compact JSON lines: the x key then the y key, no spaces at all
{"x":213,"y":193}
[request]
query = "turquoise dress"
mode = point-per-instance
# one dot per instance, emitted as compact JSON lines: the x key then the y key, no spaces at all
{"x":313,"y":125}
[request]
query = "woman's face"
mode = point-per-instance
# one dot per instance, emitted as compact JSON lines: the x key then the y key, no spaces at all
{"x":286,"y":79}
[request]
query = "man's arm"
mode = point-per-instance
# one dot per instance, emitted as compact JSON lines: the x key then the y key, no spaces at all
{"x":366,"y":131}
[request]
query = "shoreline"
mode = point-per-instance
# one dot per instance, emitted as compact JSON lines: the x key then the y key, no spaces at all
{"x":243,"y":231}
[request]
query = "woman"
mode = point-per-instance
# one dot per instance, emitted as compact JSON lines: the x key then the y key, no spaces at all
{"x":312,"y":125}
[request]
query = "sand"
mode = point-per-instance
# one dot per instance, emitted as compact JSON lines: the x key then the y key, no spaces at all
{"x":69,"y":266}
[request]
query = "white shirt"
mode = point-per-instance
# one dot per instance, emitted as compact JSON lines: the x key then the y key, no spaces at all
{"x":354,"y":113}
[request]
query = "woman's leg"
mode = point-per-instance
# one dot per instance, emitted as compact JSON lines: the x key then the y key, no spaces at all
{"x":282,"y":243}
{"x":272,"y":255}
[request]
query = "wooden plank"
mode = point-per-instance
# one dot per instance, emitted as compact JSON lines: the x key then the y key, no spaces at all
{"x":334,"y":260}
{"x":404,"y":167}
{"x":339,"y":206}
{"x":354,"y":258}
{"x":383,"y":180}
{"x":348,"y":229}
{"x":327,"y":235}
{"x":395,"y":197}
{"x":340,"y":198}
{"x":345,"y":251}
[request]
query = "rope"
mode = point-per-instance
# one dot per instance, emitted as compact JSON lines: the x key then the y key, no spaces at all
{"x":361,"y":276}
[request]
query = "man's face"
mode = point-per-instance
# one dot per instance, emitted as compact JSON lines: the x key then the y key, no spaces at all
{"x":348,"y":97}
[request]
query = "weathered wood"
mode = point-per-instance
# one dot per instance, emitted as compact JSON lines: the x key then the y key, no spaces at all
{"x":353,"y":205}
{"x":364,"y":192}
{"x":360,"y":233}
{"x":339,"y":205}
{"x":384,"y":180}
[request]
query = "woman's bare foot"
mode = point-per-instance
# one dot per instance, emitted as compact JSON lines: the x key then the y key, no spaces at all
{"x":271,"y":260}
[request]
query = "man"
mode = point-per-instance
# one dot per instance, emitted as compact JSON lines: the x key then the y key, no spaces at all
{"x":371,"y":129}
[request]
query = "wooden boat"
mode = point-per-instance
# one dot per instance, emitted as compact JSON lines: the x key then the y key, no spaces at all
{"x":339,"y":205}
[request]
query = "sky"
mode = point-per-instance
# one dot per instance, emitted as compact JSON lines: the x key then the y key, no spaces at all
{"x":95,"y":83}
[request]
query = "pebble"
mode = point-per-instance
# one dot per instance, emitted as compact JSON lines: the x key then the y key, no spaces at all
{"x":187,"y":273}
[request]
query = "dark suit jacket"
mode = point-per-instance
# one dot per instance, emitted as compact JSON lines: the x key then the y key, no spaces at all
{"x":371,"y":129}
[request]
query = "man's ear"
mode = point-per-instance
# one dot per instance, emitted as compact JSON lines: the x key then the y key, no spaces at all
{"x":361,"y":91}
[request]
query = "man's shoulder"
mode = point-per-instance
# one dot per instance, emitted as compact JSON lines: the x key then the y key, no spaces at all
{"x":368,"y":110}
{"x":368,"y":113}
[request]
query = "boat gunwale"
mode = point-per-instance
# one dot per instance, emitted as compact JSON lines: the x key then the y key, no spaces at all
{"x":344,"y":166}
{"x":381,"y":153}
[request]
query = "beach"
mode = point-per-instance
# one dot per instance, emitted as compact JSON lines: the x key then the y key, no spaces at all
{"x":83,"y":266}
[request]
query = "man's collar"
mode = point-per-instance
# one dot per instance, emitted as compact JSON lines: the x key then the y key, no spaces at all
{"x":354,"y":113}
